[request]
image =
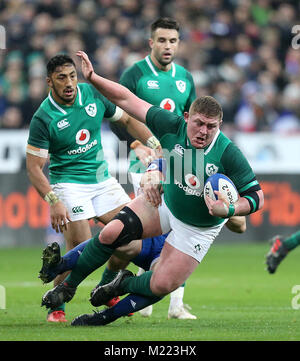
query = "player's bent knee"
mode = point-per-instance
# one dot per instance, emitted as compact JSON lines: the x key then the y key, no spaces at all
{"x":243,"y":228}
{"x":123,"y":228}
{"x":237,"y":224}
{"x":110,"y":232}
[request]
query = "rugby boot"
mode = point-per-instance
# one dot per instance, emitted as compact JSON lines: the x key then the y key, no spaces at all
{"x":58,"y":295}
{"x":102,"y":294}
{"x":276,"y":254}
{"x":51,"y":259}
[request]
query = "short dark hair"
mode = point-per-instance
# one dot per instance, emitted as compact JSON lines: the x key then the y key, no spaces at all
{"x":165,"y":23}
{"x":58,"y":60}
{"x":208,"y":106}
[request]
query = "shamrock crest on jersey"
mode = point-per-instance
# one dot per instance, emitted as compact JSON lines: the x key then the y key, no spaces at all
{"x":181,"y":85}
{"x":211,"y":169}
{"x":91,"y":109}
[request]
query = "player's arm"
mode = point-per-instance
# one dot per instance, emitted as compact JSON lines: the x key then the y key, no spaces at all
{"x":242,"y":207}
{"x":129,"y":80}
{"x":238,"y":169}
{"x":145,"y":144}
{"x":143,"y":153}
{"x":35,"y":161}
{"x":151,"y":182}
{"x":116,"y":93}
{"x":139,"y":131}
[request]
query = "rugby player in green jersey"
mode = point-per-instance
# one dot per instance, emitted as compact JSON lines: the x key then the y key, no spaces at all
{"x":160,"y":81}
{"x":195,"y":147}
{"x":67,"y":125}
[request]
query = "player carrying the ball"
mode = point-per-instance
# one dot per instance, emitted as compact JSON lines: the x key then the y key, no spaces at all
{"x":194,"y":148}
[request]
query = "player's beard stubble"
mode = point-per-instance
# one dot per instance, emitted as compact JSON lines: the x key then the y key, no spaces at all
{"x":65,"y":100}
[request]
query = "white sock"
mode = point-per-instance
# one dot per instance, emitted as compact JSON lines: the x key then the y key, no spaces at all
{"x":176,"y":298}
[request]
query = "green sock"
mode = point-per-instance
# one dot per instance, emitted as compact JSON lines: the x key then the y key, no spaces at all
{"x":107,"y":276}
{"x":139,"y":284}
{"x":58,"y":308}
{"x":94,"y":255}
{"x":293,"y":241}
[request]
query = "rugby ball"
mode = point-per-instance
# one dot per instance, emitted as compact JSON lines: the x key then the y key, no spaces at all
{"x":220,"y":182}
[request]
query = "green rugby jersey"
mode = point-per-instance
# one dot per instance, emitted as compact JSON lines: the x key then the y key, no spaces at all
{"x":72,"y":135}
{"x":173,"y":90}
{"x":188,"y":167}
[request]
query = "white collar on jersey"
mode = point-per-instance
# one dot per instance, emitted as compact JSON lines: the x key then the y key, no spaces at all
{"x":211,"y":144}
{"x":154,"y":71}
{"x":60,"y":108}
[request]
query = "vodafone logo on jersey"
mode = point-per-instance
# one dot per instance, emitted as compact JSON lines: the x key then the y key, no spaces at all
{"x":192,"y":181}
{"x":167,"y":104}
{"x":82,"y":136}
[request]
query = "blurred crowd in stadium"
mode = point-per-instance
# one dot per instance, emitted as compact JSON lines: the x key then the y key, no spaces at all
{"x":239,"y":51}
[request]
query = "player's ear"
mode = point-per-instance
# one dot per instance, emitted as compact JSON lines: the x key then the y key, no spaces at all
{"x":151,"y":42}
{"x":49,"y":81}
{"x":186,"y":116}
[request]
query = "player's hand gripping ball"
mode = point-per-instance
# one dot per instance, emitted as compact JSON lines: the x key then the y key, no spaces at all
{"x":223,"y":184}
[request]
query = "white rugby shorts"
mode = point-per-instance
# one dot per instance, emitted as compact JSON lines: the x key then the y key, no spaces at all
{"x":135,"y":179}
{"x":191,"y":240}
{"x":85,"y":201}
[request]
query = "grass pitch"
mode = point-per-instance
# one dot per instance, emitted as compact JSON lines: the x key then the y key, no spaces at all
{"x":232,"y":295}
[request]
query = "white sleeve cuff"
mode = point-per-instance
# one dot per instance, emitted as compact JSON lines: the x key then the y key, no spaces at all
{"x":117,"y":116}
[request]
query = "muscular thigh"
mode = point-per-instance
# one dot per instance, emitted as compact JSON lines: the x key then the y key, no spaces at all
{"x":172,"y":270}
{"x":148,"y":216}
{"x":107,"y":217}
{"x":144,"y":223}
{"x":77,"y":232}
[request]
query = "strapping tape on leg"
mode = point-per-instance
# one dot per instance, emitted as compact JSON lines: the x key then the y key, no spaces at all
{"x":133,"y":228}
